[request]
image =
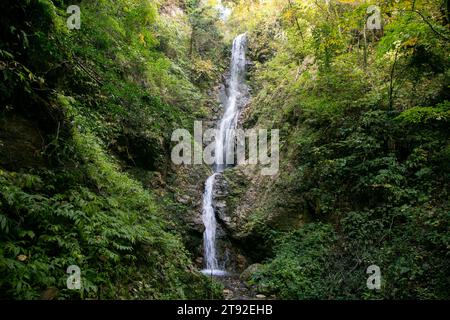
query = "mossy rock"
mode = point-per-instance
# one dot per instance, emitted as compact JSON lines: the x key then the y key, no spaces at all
{"x":247,"y":274}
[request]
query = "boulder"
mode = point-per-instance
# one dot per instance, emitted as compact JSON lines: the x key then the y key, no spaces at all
{"x":250,"y":271}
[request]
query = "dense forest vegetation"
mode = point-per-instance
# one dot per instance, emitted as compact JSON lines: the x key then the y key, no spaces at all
{"x":364,"y":173}
{"x":86,"y":118}
{"x":86,"y":121}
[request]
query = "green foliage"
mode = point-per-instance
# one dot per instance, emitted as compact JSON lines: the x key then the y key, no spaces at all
{"x":364,"y":152}
{"x":427,"y":115}
{"x":299,"y":270}
{"x":102,"y":221}
{"x":105,"y":98}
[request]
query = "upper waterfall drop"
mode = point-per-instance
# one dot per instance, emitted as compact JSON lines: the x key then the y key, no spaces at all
{"x":224,"y":11}
{"x":237,"y":90}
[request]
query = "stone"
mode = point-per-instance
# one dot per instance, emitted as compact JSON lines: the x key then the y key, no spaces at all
{"x":184,"y":199}
{"x":247,"y":273}
{"x":241,"y":261}
{"x":199,"y":261}
{"x":260,"y":296}
{"x":228,"y":294}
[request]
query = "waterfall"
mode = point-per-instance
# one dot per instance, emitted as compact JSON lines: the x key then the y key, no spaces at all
{"x":209,"y":235}
{"x":224,"y":12}
{"x":224,"y":141}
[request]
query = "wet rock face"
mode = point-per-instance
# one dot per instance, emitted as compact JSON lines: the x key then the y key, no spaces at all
{"x":229,"y":192}
{"x":242,"y":195}
{"x":220,"y":194}
{"x":231,"y":256}
{"x":188,"y":185}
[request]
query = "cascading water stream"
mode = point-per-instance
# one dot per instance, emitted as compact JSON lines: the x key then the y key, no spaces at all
{"x":224,"y":142}
{"x":224,"y":12}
